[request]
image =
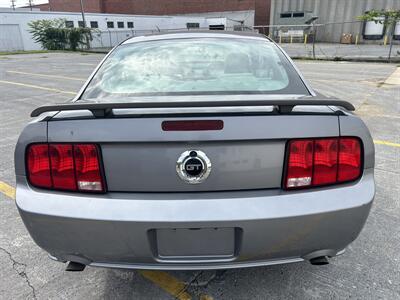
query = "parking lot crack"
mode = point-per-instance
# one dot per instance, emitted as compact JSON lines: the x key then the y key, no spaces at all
{"x":189,"y":284}
{"x":20,"y":268}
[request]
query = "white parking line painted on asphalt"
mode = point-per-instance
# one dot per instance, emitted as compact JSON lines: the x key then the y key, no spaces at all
{"x":394,"y":78}
{"x":47,"y":75}
{"x":86,"y":64}
{"x":32,"y":86}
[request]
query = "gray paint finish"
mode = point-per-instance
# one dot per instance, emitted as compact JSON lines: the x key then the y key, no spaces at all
{"x":235,"y":128}
{"x":34,"y":132}
{"x":196,"y":207}
{"x":276,"y":226}
{"x":236,"y":165}
{"x":352,"y":125}
{"x":247,"y":154}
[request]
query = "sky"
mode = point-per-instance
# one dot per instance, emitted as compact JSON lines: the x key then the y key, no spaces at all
{"x":7,"y":3}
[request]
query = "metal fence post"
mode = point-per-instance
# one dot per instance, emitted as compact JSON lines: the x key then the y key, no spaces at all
{"x":314,"y":30}
{"x":109,"y":34}
{"x":392,"y":30}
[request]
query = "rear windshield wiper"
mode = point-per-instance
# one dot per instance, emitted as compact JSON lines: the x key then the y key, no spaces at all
{"x":105,"y":109}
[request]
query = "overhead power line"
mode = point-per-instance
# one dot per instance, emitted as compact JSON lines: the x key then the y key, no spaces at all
{"x":13,"y":4}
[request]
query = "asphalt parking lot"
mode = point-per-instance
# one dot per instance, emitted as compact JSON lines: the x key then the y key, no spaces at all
{"x":370,"y":268}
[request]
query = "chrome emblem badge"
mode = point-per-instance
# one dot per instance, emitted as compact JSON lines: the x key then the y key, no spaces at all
{"x":193,"y":166}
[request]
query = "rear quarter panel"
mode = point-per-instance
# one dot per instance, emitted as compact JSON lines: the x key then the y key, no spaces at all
{"x":34,"y":132}
{"x":351,"y":125}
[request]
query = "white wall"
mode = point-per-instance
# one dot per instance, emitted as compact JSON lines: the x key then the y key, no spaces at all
{"x":142,"y":24}
{"x":232,"y":17}
{"x":10,"y":38}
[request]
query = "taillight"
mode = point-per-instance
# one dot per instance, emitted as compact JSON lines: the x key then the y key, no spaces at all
{"x":62,"y":166}
{"x":317,"y":162}
{"x":349,"y":159}
{"x":69,"y":167}
{"x":325,"y":161}
{"x":299,"y":172}
{"x":38,"y":165}
{"x":87,"y":167}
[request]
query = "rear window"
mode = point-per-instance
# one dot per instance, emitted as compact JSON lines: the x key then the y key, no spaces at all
{"x":198,"y":66}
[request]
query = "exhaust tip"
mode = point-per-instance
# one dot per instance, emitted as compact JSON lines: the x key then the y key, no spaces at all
{"x":75,"y":267}
{"x":319,"y":261}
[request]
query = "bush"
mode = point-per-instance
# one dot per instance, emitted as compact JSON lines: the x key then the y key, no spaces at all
{"x":53,"y":35}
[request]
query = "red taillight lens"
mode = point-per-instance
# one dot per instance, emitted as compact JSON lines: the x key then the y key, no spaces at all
{"x":62,"y":166}
{"x":299,"y":171}
{"x":349,"y":159}
{"x":65,"y":167}
{"x":325,"y":161}
{"x":316,"y":162}
{"x":87,"y":166}
{"x":38,"y":165}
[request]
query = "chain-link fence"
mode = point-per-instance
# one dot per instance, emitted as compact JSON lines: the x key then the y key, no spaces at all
{"x":344,"y":32}
{"x":332,"y":40}
{"x":342,"y":40}
{"x":106,"y":39}
{"x":111,"y":38}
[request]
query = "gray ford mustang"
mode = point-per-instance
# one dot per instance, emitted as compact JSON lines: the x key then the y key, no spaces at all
{"x":195,"y":150}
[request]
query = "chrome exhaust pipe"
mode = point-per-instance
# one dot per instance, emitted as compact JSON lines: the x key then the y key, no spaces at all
{"x":75,"y":267}
{"x":319,"y":261}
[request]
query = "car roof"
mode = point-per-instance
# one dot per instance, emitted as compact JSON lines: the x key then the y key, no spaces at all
{"x":197,"y":34}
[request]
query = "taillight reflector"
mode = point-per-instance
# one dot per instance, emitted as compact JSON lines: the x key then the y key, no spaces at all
{"x":317,"y":162}
{"x":70,"y":167}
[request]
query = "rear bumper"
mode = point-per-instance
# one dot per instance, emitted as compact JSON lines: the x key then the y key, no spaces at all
{"x":271,"y":226}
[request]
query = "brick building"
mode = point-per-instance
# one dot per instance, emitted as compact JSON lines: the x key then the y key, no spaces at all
{"x":261,"y":8}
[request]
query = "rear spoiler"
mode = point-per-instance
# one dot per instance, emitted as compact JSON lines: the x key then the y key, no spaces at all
{"x":105,"y":109}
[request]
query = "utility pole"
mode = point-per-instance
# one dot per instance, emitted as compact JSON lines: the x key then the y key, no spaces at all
{"x":13,"y":4}
{"x":30,"y":3}
{"x":83,"y":14}
{"x":84,"y":24}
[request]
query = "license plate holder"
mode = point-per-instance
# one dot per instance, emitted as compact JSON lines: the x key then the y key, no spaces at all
{"x":195,"y":243}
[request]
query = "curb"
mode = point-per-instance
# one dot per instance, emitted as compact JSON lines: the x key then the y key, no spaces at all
{"x":349,"y":59}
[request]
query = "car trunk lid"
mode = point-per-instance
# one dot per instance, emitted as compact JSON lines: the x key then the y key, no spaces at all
{"x":140,"y":156}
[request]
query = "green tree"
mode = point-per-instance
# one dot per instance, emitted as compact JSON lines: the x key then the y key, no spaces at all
{"x":389,"y":18}
{"x":53,"y":35}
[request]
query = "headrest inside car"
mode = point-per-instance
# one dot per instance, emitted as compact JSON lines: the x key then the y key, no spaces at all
{"x":237,"y":63}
